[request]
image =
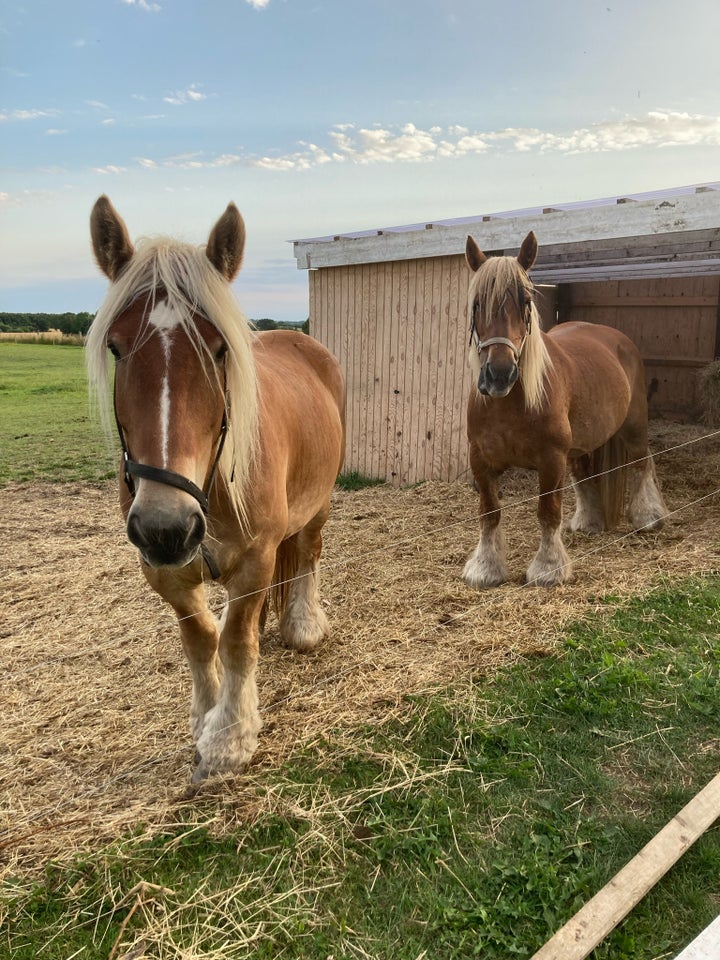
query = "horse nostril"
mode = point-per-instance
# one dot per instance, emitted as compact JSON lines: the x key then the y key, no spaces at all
{"x":196,"y":532}
{"x":135,"y":532}
{"x":490,"y":373}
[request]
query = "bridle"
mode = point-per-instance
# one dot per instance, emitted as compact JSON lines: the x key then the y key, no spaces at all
{"x":143,"y":471}
{"x":526,"y":307}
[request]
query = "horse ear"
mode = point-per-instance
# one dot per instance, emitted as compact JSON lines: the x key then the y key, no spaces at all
{"x":226,"y":243}
{"x":473,"y":255}
{"x":110,"y":240}
{"x":528,"y":251}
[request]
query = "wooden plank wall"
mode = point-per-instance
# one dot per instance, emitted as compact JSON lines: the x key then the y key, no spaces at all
{"x":399,"y":331}
{"x":673,"y":322}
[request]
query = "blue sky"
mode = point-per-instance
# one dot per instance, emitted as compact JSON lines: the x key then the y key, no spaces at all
{"x":327,"y":116}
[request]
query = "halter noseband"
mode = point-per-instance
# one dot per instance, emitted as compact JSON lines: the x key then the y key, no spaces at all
{"x":481,"y":344}
{"x":131,"y":468}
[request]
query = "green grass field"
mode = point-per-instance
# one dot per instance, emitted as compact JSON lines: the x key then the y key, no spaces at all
{"x":47,"y":431}
{"x":474,"y":826}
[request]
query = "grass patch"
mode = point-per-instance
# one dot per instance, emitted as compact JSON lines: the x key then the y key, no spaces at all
{"x":46,"y":430}
{"x":356,"y":481}
{"x":474,"y":825}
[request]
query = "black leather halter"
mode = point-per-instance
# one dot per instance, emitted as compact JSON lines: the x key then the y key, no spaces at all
{"x":131,"y":469}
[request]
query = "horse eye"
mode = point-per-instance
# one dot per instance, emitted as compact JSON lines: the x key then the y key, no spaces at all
{"x":220,"y":353}
{"x":114,"y":350}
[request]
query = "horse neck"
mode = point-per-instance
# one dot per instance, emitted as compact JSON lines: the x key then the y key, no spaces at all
{"x":240,"y":455}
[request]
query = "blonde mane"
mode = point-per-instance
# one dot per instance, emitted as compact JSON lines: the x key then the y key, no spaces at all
{"x":498,"y":279}
{"x":192,"y":285}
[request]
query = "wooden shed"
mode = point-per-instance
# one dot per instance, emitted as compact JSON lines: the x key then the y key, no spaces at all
{"x":391,"y":305}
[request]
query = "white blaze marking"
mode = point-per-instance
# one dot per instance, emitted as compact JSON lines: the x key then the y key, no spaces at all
{"x":164,"y":319}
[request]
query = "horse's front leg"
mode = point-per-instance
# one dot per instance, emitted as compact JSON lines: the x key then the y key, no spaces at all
{"x":230,"y":731}
{"x":199,"y":635}
{"x":551,"y":564}
{"x":486,"y":566}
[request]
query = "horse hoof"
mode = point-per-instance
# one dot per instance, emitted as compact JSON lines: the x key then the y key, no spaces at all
{"x":200,"y":774}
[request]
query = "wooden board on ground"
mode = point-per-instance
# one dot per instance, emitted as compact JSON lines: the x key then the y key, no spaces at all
{"x":606,"y":909}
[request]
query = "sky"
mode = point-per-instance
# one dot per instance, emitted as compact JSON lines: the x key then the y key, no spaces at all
{"x":319,"y":117}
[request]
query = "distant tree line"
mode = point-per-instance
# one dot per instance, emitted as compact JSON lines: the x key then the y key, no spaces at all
{"x":265,"y":323}
{"x":40,"y":322}
{"x":80,"y":323}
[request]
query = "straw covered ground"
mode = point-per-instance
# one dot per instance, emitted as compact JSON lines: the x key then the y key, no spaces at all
{"x":96,"y":692}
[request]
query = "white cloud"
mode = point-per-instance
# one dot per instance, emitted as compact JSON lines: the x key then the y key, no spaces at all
{"x":180,"y":97}
{"x":410,"y":144}
{"x":26,"y":114}
{"x":144,"y":5}
{"x":385,"y":146}
{"x":258,"y":4}
{"x":108,"y":122}
{"x":109,"y":169}
{"x":658,"y":128}
{"x":52,"y":132}
{"x":310,"y":156}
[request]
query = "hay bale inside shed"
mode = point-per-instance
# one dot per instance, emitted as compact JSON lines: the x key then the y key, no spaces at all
{"x":709,"y":389}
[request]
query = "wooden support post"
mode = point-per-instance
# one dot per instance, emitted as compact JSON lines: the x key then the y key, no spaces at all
{"x":600,"y":915}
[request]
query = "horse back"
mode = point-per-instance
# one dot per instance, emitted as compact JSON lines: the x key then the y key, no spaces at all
{"x":585,"y":352}
{"x":280,"y":353}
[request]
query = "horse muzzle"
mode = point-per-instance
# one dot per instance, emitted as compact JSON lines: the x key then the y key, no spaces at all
{"x":166,"y":538}
{"x":497,"y":379}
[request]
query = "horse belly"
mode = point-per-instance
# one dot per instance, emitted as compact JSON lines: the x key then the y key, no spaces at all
{"x":603,"y":372}
{"x":302,"y":428}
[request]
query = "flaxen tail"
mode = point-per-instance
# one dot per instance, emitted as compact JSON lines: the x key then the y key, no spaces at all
{"x":286,"y":567}
{"x":608,"y":464}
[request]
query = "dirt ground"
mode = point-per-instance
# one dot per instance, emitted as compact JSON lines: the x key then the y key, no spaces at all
{"x":96,"y":692}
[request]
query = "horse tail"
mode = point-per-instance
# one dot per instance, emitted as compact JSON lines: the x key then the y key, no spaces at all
{"x":286,"y":566}
{"x":609,"y":464}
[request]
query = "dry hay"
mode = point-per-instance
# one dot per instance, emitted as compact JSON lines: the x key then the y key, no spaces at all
{"x":709,"y":389}
{"x":96,"y":692}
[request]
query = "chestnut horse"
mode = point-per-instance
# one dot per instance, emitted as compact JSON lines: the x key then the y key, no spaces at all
{"x":232,"y":441}
{"x":572,"y":397}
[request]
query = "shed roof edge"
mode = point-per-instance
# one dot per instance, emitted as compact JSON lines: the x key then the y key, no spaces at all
{"x":635,"y":220}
